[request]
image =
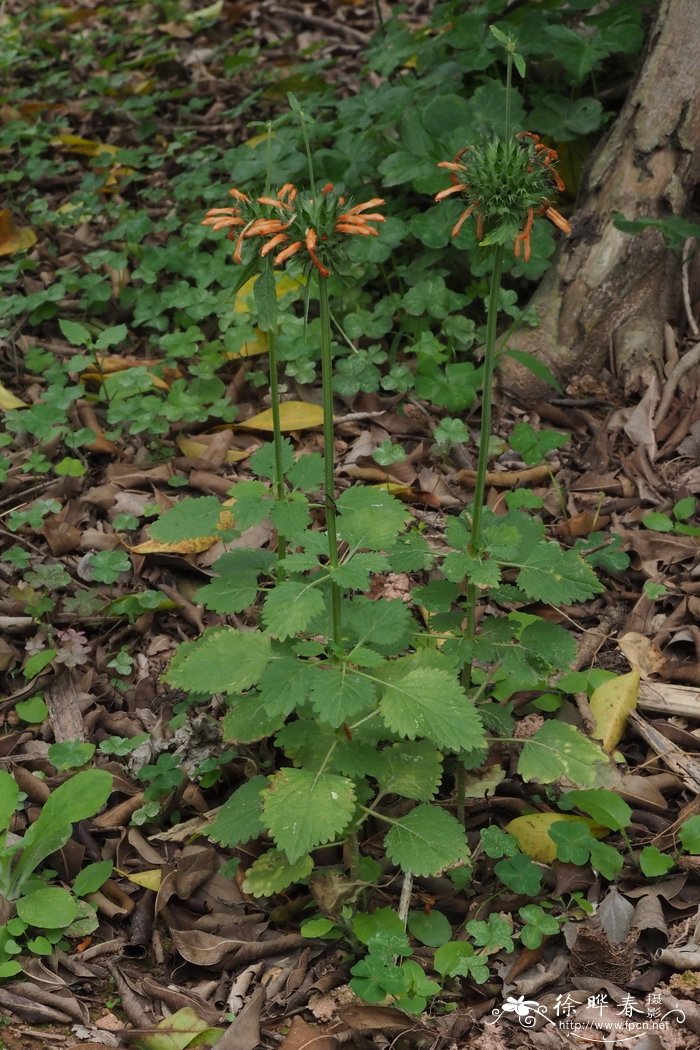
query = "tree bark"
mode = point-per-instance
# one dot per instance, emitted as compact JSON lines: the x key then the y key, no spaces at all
{"x":610,"y":293}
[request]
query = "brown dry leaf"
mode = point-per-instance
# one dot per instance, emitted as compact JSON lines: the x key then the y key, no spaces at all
{"x":582,"y":524}
{"x":244,"y":1032}
{"x":205,"y":949}
{"x":611,"y":704}
{"x":14,"y":238}
{"x":642,"y":654}
{"x":531,"y":832}
{"x":303,"y":1036}
{"x":199,"y":449}
{"x":374,"y":1018}
{"x":294,"y":415}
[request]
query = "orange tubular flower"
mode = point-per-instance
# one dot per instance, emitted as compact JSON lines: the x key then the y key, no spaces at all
{"x":506,"y":187}
{"x":311,"y":226}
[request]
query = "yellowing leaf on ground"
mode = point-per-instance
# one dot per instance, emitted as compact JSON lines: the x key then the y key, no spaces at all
{"x":8,"y":401}
{"x":611,"y":704}
{"x":148,"y":880}
{"x":284,"y":284}
{"x":257,"y":345}
{"x":197,"y":449}
{"x":14,"y":238}
{"x":531,"y":832}
{"x":294,"y":415}
{"x":99,"y":377}
{"x":85,"y":147}
{"x":193,"y":545}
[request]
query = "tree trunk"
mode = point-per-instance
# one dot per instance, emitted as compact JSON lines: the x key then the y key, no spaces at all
{"x":610,"y":293}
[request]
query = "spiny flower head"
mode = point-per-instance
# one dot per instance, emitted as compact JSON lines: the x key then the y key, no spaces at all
{"x":505,"y":185}
{"x":289,"y":225}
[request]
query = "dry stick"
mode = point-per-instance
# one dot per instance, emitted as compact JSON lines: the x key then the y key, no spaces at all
{"x":320,"y":23}
{"x":689,"y":359}
{"x":692,"y":323}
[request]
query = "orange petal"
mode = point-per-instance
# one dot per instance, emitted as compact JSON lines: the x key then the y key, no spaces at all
{"x":461,"y":221}
{"x":311,"y":238}
{"x":239,"y":196}
{"x":453,"y":189}
{"x":274,"y":242}
{"x":288,"y":252}
{"x":366,"y":231}
{"x":450,"y":165}
{"x":367,"y":204}
{"x":559,"y":221}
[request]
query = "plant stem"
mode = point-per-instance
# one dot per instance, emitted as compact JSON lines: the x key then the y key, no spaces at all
{"x":329,"y":454}
{"x":485,"y":434}
{"x":278,"y":483}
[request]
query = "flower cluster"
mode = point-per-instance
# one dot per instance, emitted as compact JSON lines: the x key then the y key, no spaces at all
{"x":289,"y":225}
{"x":506,"y":185}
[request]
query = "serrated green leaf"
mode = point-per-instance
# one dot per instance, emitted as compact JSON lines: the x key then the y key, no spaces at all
{"x":410,"y":553}
{"x":307,"y":473}
{"x":252,"y":503}
{"x":286,"y":684}
{"x":229,"y":595}
{"x":412,"y":769}
{"x":265,"y":296}
{"x":561,"y":577}
{"x":189,"y":519}
{"x":339,"y":693}
{"x":383,"y":624}
{"x":549,"y":644}
{"x":370,"y":518}
{"x":306,"y":742}
{"x":291,"y":517}
{"x":560,"y":750}
{"x":303,"y":810}
{"x":430,"y":703}
{"x":458,"y":959}
{"x":76,"y":334}
{"x":247,"y":720}
{"x":354,"y":573}
{"x":459,"y":566}
{"x":520,"y":874}
{"x":239,"y":819}
{"x":427,"y":841}
{"x":221,"y":660}
{"x":290,"y":607}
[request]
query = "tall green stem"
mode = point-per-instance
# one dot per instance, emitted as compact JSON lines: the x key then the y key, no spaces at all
{"x":278,"y":484}
{"x":329,"y":454}
{"x":485,"y":433}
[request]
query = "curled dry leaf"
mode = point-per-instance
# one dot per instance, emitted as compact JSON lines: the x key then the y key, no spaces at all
{"x":611,"y":704}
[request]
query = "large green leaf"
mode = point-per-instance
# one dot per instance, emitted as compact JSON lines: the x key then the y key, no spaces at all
{"x":9,"y":797}
{"x":303,"y":810}
{"x":412,"y":769}
{"x":272,"y":872}
{"x":561,"y":577}
{"x":338,"y":693}
{"x":239,"y":819}
{"x":286,"y":684}
{"x":248,"y":720}
{"x":49,"y":908}
{"x":427,"y":841}
{"x":370,"y":518}
{"x":429,"y":702}
{"x":290,"y":607}
{"x":559,"y":750}
{"x":222,"y":660}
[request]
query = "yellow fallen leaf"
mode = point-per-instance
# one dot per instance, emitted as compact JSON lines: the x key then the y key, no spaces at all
{"x":197,"y":449}
{"x":14,"y":238}
{"x":531,"y":832}
{"x":86,"y":147}
{"x":99,"y":377}
{"x":257,"y":345}
{"x":611,"y":704}
{"x":193,"y":545}
{"x":8,"y":401}
{"x":294,"y":415}
{"x":284,"y":284}
{"x":148,"y":880}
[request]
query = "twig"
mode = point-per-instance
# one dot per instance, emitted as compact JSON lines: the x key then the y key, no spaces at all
{"x":689,"y":359}
{"x":692,"y":323}
{"x":320,"y":23}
